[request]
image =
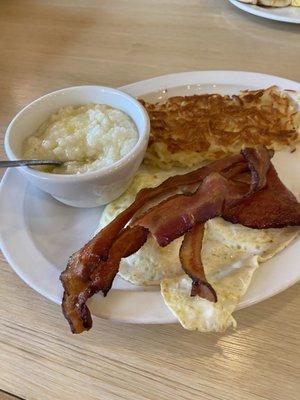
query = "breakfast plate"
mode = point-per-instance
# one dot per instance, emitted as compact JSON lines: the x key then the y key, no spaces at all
{"x":283,"y":14}
{"x":38,"y":233}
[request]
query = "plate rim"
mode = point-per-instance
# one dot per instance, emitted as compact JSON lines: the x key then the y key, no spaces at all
{"x":251,"y":9}
{"x":156,"y":84}
{"x":193,"y":77}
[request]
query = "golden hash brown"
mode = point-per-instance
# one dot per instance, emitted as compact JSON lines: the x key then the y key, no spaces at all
{"x":186,"y":131}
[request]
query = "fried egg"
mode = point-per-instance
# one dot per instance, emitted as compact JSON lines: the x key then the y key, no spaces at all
{"x":231,"y":253}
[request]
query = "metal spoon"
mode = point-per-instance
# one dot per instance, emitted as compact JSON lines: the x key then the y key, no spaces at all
{"x":22,"y":163}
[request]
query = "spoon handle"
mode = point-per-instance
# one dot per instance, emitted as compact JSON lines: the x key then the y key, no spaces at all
{"x":22,"y":163}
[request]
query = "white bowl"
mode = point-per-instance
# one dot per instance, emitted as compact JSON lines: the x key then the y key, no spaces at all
{"x":89,"y":189}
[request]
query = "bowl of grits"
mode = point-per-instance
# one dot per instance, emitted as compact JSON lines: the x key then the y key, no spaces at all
{"x":99,"y":133}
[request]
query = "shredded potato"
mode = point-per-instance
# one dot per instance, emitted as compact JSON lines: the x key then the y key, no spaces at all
{"x":188,"y":131}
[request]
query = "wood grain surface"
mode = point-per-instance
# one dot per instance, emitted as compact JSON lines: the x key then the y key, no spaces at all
{"x":47,"y":45}
{"x":7,"y":396}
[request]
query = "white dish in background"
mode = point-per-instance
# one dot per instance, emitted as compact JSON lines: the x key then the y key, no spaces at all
{"x":92,"y":188}
{"x":283,"y":14}
{"x":38,"y":234}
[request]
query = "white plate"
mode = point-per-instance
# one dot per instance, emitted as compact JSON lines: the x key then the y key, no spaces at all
{"x":37,"y":233}
{"x":283,"y":14}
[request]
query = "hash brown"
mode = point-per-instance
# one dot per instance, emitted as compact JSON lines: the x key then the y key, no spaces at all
{"x":188,"y":131}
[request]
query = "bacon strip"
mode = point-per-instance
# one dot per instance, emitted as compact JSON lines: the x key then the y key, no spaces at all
{"x":258,"y":160}
{"x":77,"y":276}
{"x":74,"y":307}
{"x":173,"y":217}
{"x":178,"y":214}
{"x":94,"y":267}
{"x":190,"y":257}
{"x":274,"y":206}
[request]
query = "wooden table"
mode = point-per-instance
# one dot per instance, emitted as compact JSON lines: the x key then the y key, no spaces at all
{"x":47,"y":45}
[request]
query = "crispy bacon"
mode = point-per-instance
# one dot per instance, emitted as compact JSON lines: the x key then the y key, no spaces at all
{"x":77,"y":276}
{"x":175,"y":216}
{"x":75,"y":310}
{"x":274,"y":206}
{"x":190,"y":257}
{"x":93,"y":268}
{"x":178,"y":214}
{"x":258,"y":160}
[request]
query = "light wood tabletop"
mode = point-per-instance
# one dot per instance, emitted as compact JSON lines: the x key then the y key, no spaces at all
{"x":47,"y":45}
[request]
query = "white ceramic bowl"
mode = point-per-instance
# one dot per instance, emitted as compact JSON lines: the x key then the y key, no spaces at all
{"x":89,"y":189}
